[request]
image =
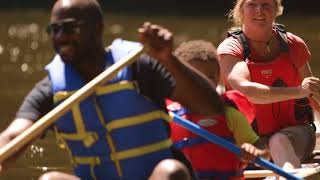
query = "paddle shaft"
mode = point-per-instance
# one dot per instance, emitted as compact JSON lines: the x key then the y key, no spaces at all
{"x":231,"y":147}
{"x":316,"y":98}
{"x":43,"y":123}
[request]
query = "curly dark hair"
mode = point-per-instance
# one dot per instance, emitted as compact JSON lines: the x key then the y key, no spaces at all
{"x":196,"y":50}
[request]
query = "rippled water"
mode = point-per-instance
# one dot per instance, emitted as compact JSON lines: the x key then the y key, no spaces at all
{"x":25,"y":49}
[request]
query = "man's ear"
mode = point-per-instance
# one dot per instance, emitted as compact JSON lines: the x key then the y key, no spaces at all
{"x":99,"y":28}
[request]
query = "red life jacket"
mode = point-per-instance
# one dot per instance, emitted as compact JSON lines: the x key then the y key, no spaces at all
{"x":273,"y":117}
{"x":209,"y":160}
{"x":276,"y":116}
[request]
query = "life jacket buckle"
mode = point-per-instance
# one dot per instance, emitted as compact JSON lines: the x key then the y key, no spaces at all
{"x":90,"y":139}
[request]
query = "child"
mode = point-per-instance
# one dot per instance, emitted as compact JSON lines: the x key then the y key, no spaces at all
{"x":209,"y":160}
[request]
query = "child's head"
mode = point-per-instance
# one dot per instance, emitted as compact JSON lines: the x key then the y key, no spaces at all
{"x":202,"y":55}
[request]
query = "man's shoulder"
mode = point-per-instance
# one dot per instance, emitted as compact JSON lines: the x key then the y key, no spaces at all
{"x":43,"y":86}
{"x":44,"y":82}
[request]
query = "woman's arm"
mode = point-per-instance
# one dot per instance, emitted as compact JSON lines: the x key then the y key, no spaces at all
{"x":236,"y":73}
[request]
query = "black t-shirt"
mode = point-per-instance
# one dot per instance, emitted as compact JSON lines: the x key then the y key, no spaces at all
{"x":154,"y":81}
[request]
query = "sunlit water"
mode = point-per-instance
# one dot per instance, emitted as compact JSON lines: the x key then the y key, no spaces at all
{"x":25,"y":49}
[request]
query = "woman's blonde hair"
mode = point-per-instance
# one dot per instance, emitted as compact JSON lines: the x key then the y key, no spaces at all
{"x":235,"y":14}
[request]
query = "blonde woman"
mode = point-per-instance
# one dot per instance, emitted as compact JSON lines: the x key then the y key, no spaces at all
{"x":270,"y":66}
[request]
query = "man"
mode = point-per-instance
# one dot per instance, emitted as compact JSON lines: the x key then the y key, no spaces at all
{"x":119,"y":132}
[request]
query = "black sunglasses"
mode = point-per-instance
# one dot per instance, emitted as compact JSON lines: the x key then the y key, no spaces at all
{"x":68,"y":26}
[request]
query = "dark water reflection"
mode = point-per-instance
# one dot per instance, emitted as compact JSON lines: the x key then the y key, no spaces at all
{"x":25,"y":49}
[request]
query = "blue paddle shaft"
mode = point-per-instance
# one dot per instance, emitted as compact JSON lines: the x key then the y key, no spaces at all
{"x":231,"y":147}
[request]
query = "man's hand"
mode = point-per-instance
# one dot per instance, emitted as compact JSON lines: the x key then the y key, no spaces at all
{"x":13,"y":130}
{"x":157,"y":39}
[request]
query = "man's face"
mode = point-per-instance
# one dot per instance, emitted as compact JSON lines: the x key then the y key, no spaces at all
{"x":71,"y":36}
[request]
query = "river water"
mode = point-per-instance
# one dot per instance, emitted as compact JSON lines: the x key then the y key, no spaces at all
{"x":25,"y":49}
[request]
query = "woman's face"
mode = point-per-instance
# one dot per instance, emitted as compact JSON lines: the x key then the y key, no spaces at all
{"x":261,"y":13}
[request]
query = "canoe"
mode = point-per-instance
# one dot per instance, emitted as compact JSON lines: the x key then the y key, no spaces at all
{"x":309,"y":172}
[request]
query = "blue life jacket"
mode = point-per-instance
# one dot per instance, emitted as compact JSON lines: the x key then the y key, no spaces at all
{"x":116,"y":133}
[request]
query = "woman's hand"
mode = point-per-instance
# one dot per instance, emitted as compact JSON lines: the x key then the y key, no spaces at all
{"x":311,"y":86}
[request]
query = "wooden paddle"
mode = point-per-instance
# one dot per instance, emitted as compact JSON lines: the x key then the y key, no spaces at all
{"x":43,"y":123}
{"x":316,"y":98}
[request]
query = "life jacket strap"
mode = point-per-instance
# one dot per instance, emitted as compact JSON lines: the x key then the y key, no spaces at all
{"x":105,"y":89}
{"x":192,"y":141}
{"x":111,"y":88}
{"x":139,"y":119}
{"x":142,"y":150}
{"x":61,"y":95}
{"x":90,"y":160}
{"x":187,"y":142}
{"x":88,"y":138}
{"x":240,"y":36}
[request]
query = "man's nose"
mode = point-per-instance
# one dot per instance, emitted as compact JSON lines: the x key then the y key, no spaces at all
{"x":60,"y":35}
{"x":58,"y":32}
